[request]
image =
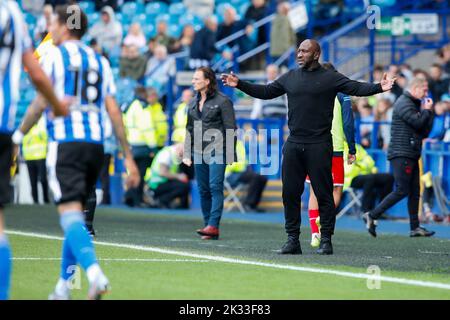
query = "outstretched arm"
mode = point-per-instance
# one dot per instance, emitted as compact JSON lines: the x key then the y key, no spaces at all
{"x":265,"y":92}
{"x":362,"y":89}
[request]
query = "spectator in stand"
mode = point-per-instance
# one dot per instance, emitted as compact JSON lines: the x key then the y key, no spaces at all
{"x":273,"y":108}
{"x":441,"y":119}
{"x":184,"y":42}
{"x":163,"y":38}
{"x":231,"y":25}
{"x":406,"y":70}
{"x":394,"y":72}
{"x":43,"y":23}
{"x":421,"y":74}
{"x":201,"y":8}
{"x":100,"y":4}
{"x":203,"y":46}
{"x":159,"y":68}
{"x":438,"y":84}
{"x":34,"y":6}
{"x":255,"y":12}
{"x":108,"y":31}
{"x":135,"y":37}
{"x":383,"y":112}
{"x":132,"y":64}
{"x":444,"y":58}
{"x":366,"y":115}
{"x":282,"y":36}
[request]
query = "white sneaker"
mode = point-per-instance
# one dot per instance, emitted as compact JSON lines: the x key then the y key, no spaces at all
{"x":62,"y":291}
{"x":315,"y":240}
{"x":99,"y":287}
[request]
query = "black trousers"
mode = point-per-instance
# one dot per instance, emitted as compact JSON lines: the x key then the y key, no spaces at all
{"x":104,"y":178}
{"x":134,"y":196}
{"x":256,"y":184}
{"x":375,"y":186}
{"x":168,"y":191}
{"x":407,"y":184}
{"x":38,"y":173}
{"x":314,"y":160}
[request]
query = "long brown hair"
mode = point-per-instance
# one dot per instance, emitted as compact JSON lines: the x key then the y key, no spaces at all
{"x":209,"y":74}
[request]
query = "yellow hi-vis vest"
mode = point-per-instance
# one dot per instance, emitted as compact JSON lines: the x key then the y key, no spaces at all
{"x":179,"y":123}
{"x":241,"y":164}
{"x":363,"y":165}
{"x":139,"y":125}
{"x":160,"y":124}
{"x":152,"y":175}
{"x":34,"y":144}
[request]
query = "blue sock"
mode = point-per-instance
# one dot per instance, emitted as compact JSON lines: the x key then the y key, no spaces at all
{"x":5,"y":267}
{"x":78,"y":240}
{"x":69,"y":261}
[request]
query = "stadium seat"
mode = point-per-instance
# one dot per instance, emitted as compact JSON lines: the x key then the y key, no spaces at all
{"x":141,"y":19}
{"x":93,"y":18}
{"x":88,"y":7}
{"x":177,"y":9}
{"x":232,"y":199}
{"x":383,"y":3}
{"x":156,"y":8}
{"x":163,"y":17}
{"x":243,"y":8}
{"x":130,"y":9}
{"x":353,"y":203}
{"x":189,"y":18}
{"x":30,"y":19}
{"x":174,"y":30}
{"x":149,"y":30}
{"x":125,"y":94}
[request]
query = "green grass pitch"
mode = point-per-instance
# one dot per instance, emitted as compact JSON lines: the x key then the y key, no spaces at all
{"x":153,"y":256}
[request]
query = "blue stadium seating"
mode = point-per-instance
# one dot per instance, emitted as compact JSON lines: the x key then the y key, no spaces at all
{"x":149,"y":30}
{"x":177,"y":9}
{"x":93,"y":18}
{"x":156,"y":8}
{"x":174,"y":30}
{"x":88,"y":7}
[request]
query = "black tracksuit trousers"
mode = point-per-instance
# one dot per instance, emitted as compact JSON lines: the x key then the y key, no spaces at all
{"x":315,"y":160}
{"x":407,"y":184}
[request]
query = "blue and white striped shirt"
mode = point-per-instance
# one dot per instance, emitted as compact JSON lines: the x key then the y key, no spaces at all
{"x":14,"y":42}
{"x":78,"y":71}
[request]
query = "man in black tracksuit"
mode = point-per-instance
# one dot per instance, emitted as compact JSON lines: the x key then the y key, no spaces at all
{"x":311,"y":91}
{"x":410,"y":125}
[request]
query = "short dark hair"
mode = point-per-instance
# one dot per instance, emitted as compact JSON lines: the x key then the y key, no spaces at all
{"x":209,"y":74}
{"x":65,"y":13}
{"x":436,"y":65}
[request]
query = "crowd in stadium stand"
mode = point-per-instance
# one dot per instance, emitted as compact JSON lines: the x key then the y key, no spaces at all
{"x":142,"y":52}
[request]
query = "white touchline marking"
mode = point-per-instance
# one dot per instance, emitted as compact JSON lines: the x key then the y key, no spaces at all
{"x":111,"y":259}
{"x":420,"y":283}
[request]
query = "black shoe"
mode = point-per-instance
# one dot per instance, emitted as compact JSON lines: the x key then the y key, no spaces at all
{"x":325,"y":247}
{"x":421,"y":232}
{"x":371,"y":224}
{"x":291,"y":247}
{"x":91,"y":232}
